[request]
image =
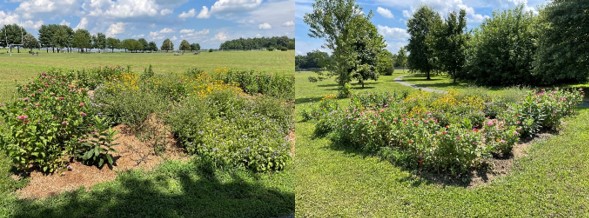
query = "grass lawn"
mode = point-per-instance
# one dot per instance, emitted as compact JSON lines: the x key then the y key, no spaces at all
{"x":23,"y":66}
{"x":174,"y":189}
{"x":552,"y":180}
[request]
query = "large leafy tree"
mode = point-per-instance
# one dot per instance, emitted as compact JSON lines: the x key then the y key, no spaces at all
{"x":195,"y":47}
{"x":385,"y":63}
{"x":167,"y":45}
{"x":366,"y":46}
{"x":501,"y":51}
{"x":420,"y":27}
{"x":99,"y":41}
{"x":113,"y":43}
{"x":12,"y":34}
{"x":401,"y":58}
{"x":144,"y":44}
{"x":62,"y":37}
{"x":46,"y":33}
{"x":563,"y":52}
{"x":184,"y":46}
{"x":449,"y":43}
{"x":152,"y":46}
{"x":330,"y":20}
{"x":30,"y":42}
{"x":82,"y":39}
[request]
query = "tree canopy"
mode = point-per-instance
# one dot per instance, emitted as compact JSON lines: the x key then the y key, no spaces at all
{"x":167,"y":45}
{"x":282,"y":42}
{"x":421,"y":52}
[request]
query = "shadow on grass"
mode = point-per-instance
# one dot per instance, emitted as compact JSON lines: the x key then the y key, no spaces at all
{"x":307,"y":100}
{"x":188,"y":192}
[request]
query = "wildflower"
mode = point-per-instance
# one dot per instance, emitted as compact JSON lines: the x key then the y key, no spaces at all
{"x":83,"y":114}
{"x":22,"y":117}
{"x":64,"y":123}
{"x":25,"y":99}
{"x":82,"y":104}
{"x":60,"y":98}
{"x":490,"y":123}
{"x":475,"y":129}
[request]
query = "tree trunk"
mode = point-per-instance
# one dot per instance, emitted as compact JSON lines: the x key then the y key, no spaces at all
{"x":362,"y":82}
{"x":428,"y":75}
{"x":18,"y":49}
{"x":454,"y":75}
{"x":53,"y":49}
{"x":47,"y":49}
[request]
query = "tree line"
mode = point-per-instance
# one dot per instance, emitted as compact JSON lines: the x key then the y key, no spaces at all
{"x":513,"y":47}
{"x":271,"y":43}
{"x":62,"y":37}
{"x":319,"y":60}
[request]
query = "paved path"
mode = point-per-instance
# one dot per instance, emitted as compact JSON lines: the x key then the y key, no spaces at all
{"x":402,"y":82}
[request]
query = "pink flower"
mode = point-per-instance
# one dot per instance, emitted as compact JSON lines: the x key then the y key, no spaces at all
{"x":83,"y":114}
{"x":22,"y":117}
{"x":25,"y":99}
{"x":82,"y":104}
{"x":490,"y":123}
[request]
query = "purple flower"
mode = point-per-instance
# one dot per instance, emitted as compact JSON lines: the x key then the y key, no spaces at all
{"x":490,"y":123}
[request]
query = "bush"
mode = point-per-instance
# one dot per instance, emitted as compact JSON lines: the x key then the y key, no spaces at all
{"x":129,"y":107}
{"x":444,"y":133}
{"x":279,"y":86}
{"x":234,"y":131}
{"x":48,"y":122}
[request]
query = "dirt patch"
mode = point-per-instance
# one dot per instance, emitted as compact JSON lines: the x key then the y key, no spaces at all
{"x":498,"y":167}
{"x":132,"y":153}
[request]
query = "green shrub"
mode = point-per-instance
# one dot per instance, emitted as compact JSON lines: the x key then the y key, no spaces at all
{"x":234,"y":131}
{"x":280,"y":86}
{"x":48,"y":122}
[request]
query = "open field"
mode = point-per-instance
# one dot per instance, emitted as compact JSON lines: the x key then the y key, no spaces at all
{"x":23,"y":66}
{"x":178,"y":187}
{"x":335,"y":180}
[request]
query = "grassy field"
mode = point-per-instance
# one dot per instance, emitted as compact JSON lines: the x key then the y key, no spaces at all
{"x":23,"y":66}
{"x":552,"y":180}
{"x":174,"y":189}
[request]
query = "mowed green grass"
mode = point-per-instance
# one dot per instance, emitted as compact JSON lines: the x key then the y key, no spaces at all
{"x":174,"y":189}
{"x":21,"y":67}
{"x":552,"y":180}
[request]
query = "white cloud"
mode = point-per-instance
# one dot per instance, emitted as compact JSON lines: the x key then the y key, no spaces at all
{"x":83,"y":23}
{"x":115,"y":29}
{"x":166,"y":30}
{"x":204,"y":13}
{"x":384,"y":12}
{"x":30,"y":7}
{"x":234,"y":5}
{"x":289,"y":23}
{"x":221,"y":37}
{"x":187,"y":14}
{"x":166,"y":11}
{"x":264,"y":26}
{"x":392,"y":32}
{"x":407,"y":14}
{"x":64,"y":22}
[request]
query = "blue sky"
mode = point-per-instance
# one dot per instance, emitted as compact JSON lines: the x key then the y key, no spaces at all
{"x":390,"y":17}
{"x":208,"y":22}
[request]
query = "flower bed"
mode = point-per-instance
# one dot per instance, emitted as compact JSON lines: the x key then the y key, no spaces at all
{"x":451,"y":133}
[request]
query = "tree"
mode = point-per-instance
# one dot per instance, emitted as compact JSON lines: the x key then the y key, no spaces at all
{"x":46,"y":33}
{"x":62,"y":37}
{"x":99,"y":41}
{"x":563,"y":52}
{"x":195,"y":47}
{"x":420,"y":26}
{"x":12,"y":34}
{"x":384,"y":63}
{"x":184,"y":46}
{"x":167,"y":45}
{"x":30,"y":42}
{"x":330,"y":20}
{"x":113,"y":43}
{"x":314,"y":60}
{"x":82,"y":39}
{"x":366,"y":45}
{"x":450,"y":44}
{"x":401,"y":58}
{"x":144,"y":44}
{"x":152,"y":46}
{"x":132,"y":45}
{"x":502,"y":49}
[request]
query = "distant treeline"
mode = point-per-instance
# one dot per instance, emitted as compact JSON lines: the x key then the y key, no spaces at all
{"x":280,"y":43}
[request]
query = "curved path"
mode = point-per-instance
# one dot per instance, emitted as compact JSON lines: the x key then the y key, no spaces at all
{"x":426,"y":89}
